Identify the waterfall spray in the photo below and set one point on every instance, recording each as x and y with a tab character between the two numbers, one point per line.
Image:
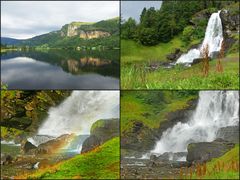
215	109
79	111
213	38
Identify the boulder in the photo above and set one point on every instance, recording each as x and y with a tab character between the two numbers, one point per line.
229	133
28	147
175	55
54	145
204	151
101	131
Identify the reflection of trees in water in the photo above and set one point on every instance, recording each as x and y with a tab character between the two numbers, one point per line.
76	62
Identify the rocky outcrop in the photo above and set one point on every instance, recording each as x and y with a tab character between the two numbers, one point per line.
73	29
181	115
139	137
175	55
54	145
28	147
230	20
204	151
229	133
93	34
101	131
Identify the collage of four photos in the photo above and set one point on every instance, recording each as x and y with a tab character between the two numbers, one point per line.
120	89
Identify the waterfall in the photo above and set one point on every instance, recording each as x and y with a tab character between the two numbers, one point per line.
215	109
79	111
213	38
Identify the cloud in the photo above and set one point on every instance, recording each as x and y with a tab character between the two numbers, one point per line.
134	8
25	19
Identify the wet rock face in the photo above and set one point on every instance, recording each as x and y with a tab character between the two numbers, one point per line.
229	133
139	138
230	21
101	131
205	151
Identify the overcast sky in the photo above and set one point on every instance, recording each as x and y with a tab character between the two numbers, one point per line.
134	8
25	19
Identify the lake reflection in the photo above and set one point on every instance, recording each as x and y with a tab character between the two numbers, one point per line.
58	69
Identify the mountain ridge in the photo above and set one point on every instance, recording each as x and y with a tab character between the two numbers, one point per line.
74	34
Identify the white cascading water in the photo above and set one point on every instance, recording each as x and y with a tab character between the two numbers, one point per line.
213	38
215	109
79	111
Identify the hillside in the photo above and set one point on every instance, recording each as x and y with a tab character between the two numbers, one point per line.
77	34
144	115
100	163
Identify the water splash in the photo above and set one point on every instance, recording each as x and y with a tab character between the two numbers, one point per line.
79	111
213	38
215	109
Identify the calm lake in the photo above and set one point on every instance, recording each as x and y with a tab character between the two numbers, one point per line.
60	69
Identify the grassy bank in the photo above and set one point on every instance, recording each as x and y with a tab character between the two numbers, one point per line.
137	76
132	52
101	163
151	107
224	167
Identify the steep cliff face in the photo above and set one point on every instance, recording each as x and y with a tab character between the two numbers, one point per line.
72	30
93	34
81	30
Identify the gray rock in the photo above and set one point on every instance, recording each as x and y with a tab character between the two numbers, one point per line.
229	133
27	147
175	55
101	131
205	151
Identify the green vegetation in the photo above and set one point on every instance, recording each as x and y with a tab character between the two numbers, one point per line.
97	124
23	111
173	17
132	52
101	163
59	39
151	107
138	76
178	25
224	167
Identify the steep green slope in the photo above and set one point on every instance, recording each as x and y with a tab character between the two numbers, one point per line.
68	36
101	163
152	107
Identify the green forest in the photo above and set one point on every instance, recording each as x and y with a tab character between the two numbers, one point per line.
177	27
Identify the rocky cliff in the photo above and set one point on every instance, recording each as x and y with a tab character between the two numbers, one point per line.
86	30
101	131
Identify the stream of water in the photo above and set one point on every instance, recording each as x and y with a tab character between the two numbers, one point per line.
215	109
213	38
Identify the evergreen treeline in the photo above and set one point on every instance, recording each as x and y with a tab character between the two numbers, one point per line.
162	25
